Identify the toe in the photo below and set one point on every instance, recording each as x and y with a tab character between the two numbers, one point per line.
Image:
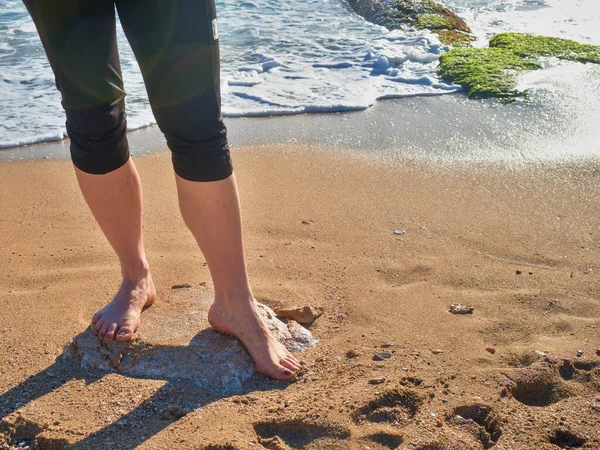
96	318
124	334
103	330
98	326
293	359
288	365
294	363
110	334
279	372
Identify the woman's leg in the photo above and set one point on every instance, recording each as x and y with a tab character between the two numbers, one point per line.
212	213
79	38
176	45
115	199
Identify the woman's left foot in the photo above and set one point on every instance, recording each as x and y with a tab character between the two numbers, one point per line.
241	319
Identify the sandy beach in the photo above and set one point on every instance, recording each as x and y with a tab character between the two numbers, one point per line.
384	246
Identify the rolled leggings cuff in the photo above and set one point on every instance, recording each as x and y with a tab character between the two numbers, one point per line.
203	162
98	139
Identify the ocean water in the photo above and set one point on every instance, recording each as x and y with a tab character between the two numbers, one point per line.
298	56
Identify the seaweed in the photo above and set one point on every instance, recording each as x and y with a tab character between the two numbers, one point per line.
532	46
485	72
493	71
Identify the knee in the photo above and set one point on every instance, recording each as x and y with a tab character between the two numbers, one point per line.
198	143
98	137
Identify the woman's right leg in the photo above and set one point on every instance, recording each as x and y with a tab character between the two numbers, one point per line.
79	37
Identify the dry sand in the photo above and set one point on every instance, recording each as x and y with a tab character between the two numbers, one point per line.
521	246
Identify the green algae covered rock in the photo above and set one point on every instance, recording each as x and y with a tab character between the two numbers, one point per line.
493	71
420	14
484	72
430	15
532	46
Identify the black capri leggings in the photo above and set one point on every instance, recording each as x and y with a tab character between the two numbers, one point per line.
176	45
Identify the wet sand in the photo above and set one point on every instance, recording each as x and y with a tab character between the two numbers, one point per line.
519	244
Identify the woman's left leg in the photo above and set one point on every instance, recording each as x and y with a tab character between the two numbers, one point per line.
176	45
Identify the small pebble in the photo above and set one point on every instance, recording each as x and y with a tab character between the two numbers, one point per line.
491	350
181	286
459	420
598	351
437	351
381	356
541	353
389	344
399	231
173	412
518	272
579	353
459	308
378	380
352	353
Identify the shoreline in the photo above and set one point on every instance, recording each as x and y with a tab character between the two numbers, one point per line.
555	125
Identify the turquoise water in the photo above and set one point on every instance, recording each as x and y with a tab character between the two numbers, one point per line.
281	58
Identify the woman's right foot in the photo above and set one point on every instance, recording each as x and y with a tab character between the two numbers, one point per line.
120	319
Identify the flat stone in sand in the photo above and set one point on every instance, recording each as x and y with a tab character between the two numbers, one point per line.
177	343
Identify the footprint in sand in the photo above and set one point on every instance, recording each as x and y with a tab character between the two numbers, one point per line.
387	440
296	434
479	420
566	439
394	406
550	381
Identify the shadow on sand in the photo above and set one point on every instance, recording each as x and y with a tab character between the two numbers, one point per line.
178	397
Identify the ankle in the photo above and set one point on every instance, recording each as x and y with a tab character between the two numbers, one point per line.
234	297
135	272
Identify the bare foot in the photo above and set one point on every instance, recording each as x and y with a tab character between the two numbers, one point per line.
121	317
241	319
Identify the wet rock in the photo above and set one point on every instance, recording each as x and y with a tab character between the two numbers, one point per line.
301	314
177	341
377	380
381	356
460	308
421	14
